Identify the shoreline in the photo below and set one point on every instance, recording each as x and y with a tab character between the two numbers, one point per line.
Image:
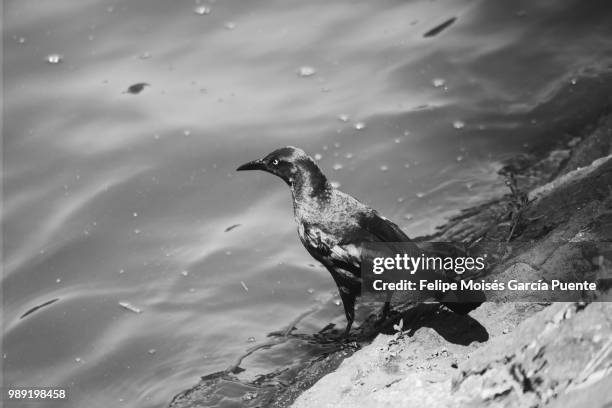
556	195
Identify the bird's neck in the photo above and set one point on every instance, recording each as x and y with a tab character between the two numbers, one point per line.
310	186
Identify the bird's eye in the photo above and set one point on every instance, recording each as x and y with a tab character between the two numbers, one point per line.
275	162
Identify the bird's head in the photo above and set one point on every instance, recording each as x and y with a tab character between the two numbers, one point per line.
292	165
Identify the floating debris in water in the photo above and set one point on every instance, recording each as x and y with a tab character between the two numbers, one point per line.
458	124
130	307
384	168
231	227
35	308
438	82
185	273
337	166
54	58
230	25
136	88
152	351
251	339
202	10
306	71
343	117
318	156
244	286
335	184
359	125
439	28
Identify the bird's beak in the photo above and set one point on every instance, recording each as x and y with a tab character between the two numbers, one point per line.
252	165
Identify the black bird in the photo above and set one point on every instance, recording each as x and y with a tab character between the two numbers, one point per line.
332	225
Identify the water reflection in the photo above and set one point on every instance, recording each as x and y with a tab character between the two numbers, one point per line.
391	110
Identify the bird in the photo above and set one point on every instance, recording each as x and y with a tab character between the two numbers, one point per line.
333	226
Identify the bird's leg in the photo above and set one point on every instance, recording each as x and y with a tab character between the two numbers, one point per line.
348	301
386	309
348	328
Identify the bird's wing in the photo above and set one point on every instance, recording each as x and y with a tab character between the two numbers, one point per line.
381	228
373	228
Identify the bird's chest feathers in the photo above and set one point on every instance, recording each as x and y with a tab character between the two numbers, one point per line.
328	247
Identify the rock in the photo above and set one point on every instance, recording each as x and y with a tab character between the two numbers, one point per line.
503	354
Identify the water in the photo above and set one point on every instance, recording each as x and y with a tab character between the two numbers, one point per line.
110	197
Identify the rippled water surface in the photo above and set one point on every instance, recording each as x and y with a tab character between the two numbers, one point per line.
112	197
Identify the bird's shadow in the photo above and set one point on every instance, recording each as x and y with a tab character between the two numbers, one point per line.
454	328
